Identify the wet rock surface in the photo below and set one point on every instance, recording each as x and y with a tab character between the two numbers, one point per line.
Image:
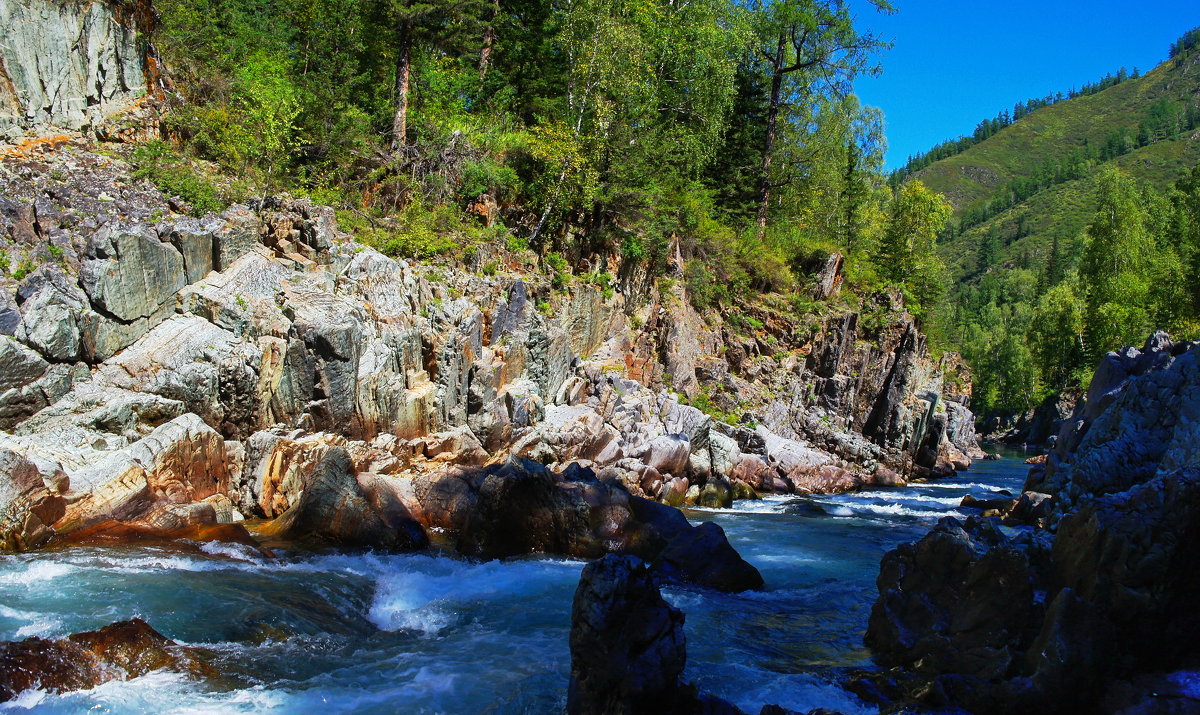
628	649
123	650
1082	586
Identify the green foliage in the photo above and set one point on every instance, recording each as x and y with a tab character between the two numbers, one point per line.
24	268
1030	251
1056	335
906	254
418	232
1186	45
4	261
486	176
704	402
560	276
1115	269
174	175
602	280
256	128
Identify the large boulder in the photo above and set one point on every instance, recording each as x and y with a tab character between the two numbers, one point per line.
130	273
522	507
627	644
1096	585
181	462
628	649
959	600
121	651
51	305
330	504
29	502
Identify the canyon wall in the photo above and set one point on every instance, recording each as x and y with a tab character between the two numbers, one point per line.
154	362
69	64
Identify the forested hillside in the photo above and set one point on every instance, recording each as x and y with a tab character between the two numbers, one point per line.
569	132
1074	230
593	140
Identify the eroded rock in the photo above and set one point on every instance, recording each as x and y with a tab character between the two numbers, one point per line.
628	649
123	650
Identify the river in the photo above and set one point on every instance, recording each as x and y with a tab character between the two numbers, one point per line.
429	633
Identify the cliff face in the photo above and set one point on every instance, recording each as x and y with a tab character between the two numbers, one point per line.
165	369
68	64
174	371
1080	597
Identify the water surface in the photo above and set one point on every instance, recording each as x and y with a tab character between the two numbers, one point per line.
424	633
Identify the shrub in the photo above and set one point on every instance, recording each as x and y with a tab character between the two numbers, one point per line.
560	278
174	176
24	268
480	177
256	127
602	280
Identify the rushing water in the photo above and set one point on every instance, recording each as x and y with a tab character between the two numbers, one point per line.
421	633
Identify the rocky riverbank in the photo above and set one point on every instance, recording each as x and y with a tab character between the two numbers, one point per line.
1079	598
259	364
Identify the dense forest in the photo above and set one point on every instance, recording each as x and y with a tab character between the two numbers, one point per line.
1085	238
577	130
573	131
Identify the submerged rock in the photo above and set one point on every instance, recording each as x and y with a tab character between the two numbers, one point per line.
116	533
123	650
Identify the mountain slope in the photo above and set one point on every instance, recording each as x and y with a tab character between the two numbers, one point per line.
1028	229
1023	199
1018	151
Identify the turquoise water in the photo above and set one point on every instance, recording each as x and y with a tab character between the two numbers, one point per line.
431	633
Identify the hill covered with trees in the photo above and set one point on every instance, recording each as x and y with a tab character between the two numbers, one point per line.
598	138
580	131
1073	231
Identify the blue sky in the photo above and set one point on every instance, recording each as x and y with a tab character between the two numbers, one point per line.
957	62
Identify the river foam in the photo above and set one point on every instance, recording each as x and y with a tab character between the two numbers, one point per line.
362	632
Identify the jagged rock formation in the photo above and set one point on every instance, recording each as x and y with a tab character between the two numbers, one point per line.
173	371
628	649
123	650
1089	587
1039	426
70	64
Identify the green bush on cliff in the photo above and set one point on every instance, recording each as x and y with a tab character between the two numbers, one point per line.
173	175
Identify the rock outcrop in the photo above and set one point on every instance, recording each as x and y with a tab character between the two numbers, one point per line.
628	648
172	373
82	661
1037	427
1086	584
69	64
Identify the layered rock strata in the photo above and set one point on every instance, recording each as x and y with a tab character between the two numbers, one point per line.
71	64
172	372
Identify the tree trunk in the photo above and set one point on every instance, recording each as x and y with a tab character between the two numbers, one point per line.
764	190
489	40
403	77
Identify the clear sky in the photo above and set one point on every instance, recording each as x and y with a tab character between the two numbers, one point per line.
956	62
